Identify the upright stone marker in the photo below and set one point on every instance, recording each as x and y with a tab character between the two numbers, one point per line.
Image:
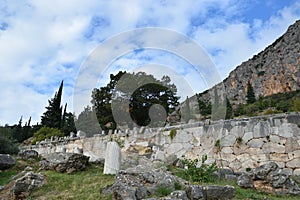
112	158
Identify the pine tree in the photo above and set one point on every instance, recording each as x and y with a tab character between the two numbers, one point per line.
250	93
53	116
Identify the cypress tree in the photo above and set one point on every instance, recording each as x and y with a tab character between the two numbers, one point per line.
250	93
53	116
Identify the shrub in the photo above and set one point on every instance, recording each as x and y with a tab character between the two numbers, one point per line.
7	146
173	133
46	133
203	173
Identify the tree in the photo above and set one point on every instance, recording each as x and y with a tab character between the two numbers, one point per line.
87	122
250	93
140	91
53	116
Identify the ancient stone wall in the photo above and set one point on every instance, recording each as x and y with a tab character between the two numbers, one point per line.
238	143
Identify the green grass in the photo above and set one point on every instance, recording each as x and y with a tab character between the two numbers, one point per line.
87	184
5	176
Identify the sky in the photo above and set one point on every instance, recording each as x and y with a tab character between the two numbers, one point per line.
45	42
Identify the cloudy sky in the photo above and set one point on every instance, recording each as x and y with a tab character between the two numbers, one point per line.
45	41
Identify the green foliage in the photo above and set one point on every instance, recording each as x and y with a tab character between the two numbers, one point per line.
46	133
218	145
119	92
55	117
239	140
203	173
87	122
7	146
162	190
173	133
277	103
250	93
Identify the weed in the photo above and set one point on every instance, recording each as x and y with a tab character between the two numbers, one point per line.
173	133
218	146
162	191
203	173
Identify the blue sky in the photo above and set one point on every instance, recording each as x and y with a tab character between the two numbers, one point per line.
44	42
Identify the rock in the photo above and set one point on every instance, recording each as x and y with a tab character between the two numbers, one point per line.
64	162
219	192
269	178
179	194
26	184
6	161
262	171
28	154
112	158
195	192
245	181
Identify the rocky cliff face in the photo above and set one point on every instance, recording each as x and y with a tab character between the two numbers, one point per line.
274	70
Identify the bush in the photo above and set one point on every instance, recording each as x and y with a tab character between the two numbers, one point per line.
198	174
46	133
7	146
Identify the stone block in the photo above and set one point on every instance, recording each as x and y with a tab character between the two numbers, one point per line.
228	157
286	130
237	131
228	141
279	157
227	150
182	137
295	163
273	148
291	145
294	154
255	143
173	148
247	136
261	129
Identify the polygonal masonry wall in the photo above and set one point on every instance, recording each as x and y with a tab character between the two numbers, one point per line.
237	143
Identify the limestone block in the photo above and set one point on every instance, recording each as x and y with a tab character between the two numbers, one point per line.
296	172
243	157
291	145
237	131
261	129
182	137
228	157
279	157
249	164
254	151
295	163
240	148
228	141
259	157
112	158
173	148
247	136
143	144
227	150
255	143
235	165
273	148
207	142
286	130
294	154
275	130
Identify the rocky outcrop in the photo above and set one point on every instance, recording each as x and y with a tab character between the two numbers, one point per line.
274	70
64	162
6	161
141	182
26	184
28	154
269	178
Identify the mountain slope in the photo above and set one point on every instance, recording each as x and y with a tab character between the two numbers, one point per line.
274	70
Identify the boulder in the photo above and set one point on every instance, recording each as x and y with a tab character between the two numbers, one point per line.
26	184
269	178
6	161
64	162
143	182
28	154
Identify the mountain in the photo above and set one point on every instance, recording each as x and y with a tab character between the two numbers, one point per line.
274	70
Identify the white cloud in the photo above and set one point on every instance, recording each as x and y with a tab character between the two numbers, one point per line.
44	42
